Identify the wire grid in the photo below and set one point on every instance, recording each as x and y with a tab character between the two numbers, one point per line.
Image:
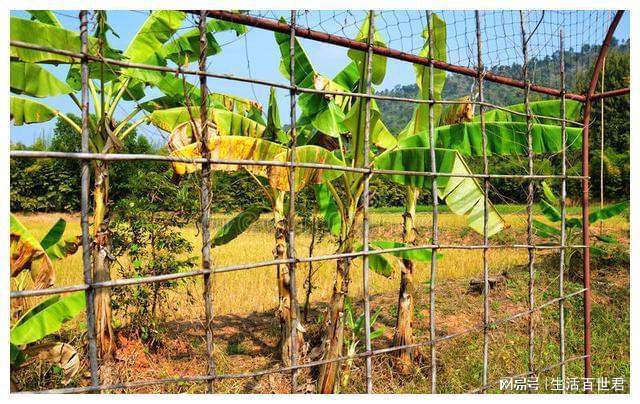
90	286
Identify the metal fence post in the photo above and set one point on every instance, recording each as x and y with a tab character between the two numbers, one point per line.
530	191
205	198
84	205
365	207
291	218
485	235
434	227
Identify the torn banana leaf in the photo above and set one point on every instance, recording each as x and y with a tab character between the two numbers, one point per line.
463	195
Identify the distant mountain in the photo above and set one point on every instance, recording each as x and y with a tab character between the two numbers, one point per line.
543	71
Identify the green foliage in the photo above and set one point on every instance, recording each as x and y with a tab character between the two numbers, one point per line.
52	185
551	233
147	242
46	318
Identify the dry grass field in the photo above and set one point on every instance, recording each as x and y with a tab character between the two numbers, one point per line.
246	328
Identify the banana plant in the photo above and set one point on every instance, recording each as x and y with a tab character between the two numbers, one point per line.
40	321
342	119
155	43
355	335
233	137
551	233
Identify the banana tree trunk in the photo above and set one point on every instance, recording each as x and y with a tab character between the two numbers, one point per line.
284	291
101	261
333	339
404	320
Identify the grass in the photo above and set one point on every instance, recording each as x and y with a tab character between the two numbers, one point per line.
246	331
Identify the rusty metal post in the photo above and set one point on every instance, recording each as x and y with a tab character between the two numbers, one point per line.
434	227
365	207
485	235
291	219
205	201
84	205
586	257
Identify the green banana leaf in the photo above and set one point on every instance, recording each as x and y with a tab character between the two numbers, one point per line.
420	120
328	208
423	255
26	111
147	44
58	247
45	17
379	67
51	36
320	111
379	263
505	138
238	225
463	195
274	130
48	319
549	108
608	212
33	80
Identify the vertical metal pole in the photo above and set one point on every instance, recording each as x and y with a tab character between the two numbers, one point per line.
586	254
434	196
205	200
563	209
586	241
530	194
84	204
485	239
365	209
291	248
604	63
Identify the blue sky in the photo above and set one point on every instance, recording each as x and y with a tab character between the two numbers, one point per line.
255	54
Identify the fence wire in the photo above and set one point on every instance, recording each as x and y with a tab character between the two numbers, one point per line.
485	43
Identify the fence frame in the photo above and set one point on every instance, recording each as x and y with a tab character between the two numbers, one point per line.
292	259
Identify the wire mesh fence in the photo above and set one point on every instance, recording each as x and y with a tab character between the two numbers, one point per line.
480	46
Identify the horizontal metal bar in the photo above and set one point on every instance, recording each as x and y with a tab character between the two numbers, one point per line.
611	93
375	352
277	26
254	265
222	76
269	163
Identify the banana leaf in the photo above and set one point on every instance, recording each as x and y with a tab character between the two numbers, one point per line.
238	225
463	195
420	120
379	263
227	123
33	80
608	212
26	252
328	208
48	320
379	67
423	255
45	17
505	138
26	111
230	148
549	108
279	176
